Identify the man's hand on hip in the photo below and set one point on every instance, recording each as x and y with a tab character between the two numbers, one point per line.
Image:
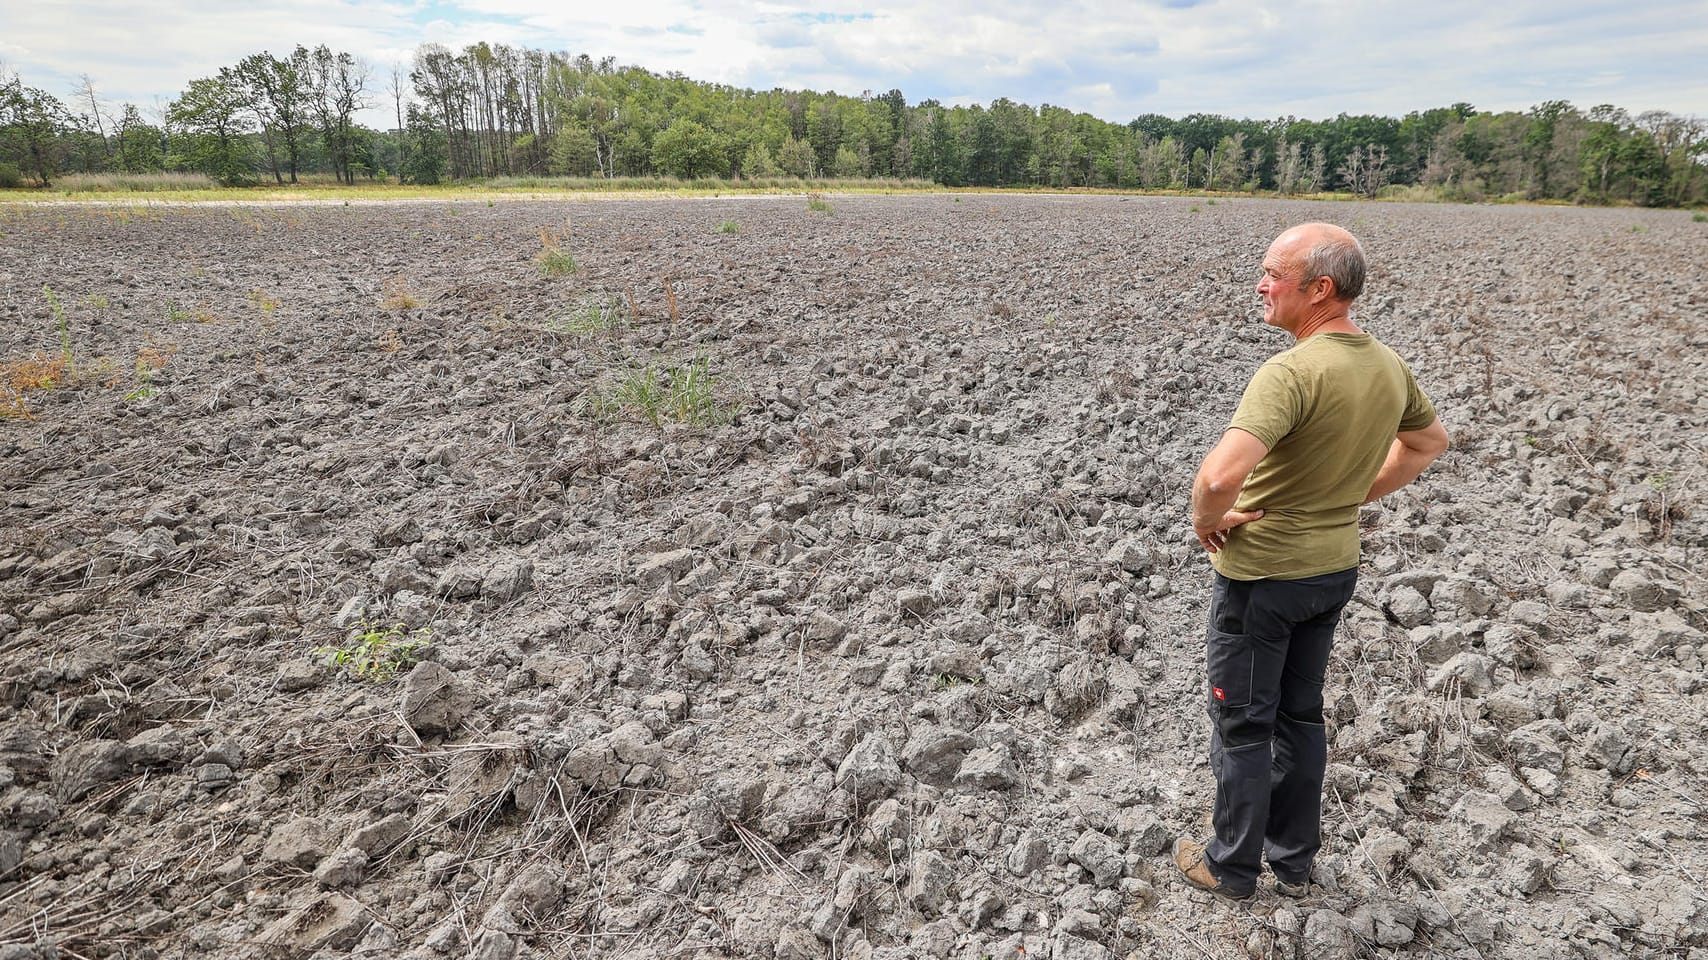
1214	536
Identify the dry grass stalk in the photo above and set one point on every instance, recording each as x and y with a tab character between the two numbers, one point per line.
634	307
398	295
18	378
670	298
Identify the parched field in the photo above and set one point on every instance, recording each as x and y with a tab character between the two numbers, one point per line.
796	583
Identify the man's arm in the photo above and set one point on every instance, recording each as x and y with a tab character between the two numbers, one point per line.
1218	484
1411	452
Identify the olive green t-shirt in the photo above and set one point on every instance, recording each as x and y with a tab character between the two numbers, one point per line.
1328	409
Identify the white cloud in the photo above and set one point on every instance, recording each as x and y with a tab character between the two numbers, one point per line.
1255	58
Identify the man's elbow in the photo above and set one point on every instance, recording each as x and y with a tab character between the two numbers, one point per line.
1441	440
1220	485
1431	442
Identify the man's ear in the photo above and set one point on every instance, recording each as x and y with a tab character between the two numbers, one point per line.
1322	289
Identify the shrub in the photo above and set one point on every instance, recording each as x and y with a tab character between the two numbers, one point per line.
730	226
10	176
816	203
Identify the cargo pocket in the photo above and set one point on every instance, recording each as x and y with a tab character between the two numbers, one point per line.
1228	661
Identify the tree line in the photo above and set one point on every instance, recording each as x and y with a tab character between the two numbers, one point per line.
500	111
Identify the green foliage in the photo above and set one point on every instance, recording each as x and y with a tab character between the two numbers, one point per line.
424	146
683	393
488	111
209	121
687	149
730	226
10	177
376	654
574	152
817	204
796	159
32	126
138	149
1699	217
848	163
757	162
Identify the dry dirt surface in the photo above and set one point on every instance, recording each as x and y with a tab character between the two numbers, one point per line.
885	641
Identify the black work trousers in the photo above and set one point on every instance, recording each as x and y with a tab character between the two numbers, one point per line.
1266	653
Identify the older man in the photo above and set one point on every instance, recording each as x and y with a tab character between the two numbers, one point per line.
1334	422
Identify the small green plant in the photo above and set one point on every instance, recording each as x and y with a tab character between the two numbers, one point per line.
1194	208
1639	228
1699	217
553	259
374	653
1209	203
684	393
816	203
59	321
144	386
177	314
587	319
260	299
149	360
729	226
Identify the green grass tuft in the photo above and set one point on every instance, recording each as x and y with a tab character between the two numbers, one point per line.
586	320
684	393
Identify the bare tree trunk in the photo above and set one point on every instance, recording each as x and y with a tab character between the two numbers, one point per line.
86	90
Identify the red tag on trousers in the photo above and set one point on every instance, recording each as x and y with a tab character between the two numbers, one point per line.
1220	694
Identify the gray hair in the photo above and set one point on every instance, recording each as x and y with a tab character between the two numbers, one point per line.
1339	260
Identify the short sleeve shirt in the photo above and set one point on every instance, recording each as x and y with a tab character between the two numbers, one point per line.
1328	410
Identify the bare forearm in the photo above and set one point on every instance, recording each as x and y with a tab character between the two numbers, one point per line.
1209	503
1402	466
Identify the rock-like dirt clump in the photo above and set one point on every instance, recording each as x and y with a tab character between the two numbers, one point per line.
353	603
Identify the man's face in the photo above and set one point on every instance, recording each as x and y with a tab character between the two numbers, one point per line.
1284	304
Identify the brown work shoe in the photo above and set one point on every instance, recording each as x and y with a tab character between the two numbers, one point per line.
1189	857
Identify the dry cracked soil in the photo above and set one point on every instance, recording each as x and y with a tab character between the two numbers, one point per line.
884	641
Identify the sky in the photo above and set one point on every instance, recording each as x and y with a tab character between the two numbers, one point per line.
1261	59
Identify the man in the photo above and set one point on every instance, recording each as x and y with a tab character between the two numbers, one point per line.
1332	423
